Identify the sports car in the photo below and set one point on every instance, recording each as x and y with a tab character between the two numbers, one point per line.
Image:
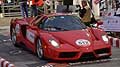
59	36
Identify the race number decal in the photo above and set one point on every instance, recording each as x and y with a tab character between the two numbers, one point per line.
17	28
30	36
82	42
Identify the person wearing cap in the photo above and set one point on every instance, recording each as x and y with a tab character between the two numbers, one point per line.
85	13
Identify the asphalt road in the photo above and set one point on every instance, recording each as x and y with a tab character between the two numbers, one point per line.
23	58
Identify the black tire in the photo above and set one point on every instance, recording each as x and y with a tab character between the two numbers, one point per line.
13	37
39	49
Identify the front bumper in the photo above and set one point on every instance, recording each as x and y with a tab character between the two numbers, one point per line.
79	54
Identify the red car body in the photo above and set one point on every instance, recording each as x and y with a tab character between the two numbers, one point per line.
63	44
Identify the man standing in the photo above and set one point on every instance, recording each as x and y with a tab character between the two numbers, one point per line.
33	7
23	8
85	13
1	2
0	6
40	4
34	4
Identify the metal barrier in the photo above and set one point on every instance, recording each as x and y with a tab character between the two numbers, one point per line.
10	10
115	42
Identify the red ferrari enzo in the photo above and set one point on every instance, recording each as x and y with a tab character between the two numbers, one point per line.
60	37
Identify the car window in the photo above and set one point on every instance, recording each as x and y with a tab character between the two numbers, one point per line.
41	21
34	21
63	23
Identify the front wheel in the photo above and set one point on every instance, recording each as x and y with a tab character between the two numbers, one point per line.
39	49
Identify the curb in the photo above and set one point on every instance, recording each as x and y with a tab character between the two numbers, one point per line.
4	63
115	42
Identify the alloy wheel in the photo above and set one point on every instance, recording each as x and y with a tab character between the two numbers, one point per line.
39	49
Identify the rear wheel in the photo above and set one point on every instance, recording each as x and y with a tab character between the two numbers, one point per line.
39	49
13	37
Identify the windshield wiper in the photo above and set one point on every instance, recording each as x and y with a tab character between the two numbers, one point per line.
62	29
55	29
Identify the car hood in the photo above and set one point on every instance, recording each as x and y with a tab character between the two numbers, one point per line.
71	37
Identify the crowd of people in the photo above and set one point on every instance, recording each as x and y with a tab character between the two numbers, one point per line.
84	13
33	7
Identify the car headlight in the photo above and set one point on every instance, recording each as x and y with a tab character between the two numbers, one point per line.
54	43
104	37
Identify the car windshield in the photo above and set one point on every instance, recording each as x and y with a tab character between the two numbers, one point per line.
63	23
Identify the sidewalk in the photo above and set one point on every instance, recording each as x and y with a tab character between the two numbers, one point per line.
5	21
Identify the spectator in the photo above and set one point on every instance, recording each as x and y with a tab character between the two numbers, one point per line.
0	6
1	1
23	8
33	7
40	4
85	13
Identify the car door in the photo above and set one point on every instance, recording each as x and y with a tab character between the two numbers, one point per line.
32	33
